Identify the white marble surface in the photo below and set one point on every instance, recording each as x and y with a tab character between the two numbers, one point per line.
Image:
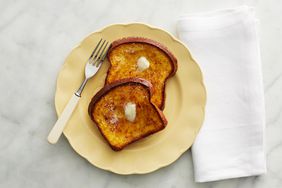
36	36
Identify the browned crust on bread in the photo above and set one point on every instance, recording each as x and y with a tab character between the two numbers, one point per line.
151	42
118	83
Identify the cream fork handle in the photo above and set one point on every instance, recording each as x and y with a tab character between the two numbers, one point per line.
59	126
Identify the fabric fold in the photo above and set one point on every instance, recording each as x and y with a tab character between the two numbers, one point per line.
225	45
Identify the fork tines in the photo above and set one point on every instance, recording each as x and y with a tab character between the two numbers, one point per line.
99	53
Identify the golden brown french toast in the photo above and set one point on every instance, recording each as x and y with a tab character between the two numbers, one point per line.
124	113
136	57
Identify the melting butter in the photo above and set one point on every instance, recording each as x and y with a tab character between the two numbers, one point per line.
142	63
130	111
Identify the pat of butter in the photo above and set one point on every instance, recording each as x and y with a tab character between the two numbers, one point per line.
142	63
130	111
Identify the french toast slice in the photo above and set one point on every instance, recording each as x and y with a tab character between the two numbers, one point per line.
136	57
108	109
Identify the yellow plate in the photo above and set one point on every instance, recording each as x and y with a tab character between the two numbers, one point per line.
185	102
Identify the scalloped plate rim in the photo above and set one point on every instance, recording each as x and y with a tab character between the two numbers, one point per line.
180	150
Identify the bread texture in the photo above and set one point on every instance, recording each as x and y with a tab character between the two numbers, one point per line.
123	57
106	109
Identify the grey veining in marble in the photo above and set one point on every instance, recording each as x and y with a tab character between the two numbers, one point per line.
36	36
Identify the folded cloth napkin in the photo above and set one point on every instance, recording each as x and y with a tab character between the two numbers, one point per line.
231	141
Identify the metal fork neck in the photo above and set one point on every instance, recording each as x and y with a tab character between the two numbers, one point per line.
80	89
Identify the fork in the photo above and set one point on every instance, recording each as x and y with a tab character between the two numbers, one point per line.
93	64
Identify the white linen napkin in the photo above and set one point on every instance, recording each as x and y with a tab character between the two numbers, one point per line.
225	45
